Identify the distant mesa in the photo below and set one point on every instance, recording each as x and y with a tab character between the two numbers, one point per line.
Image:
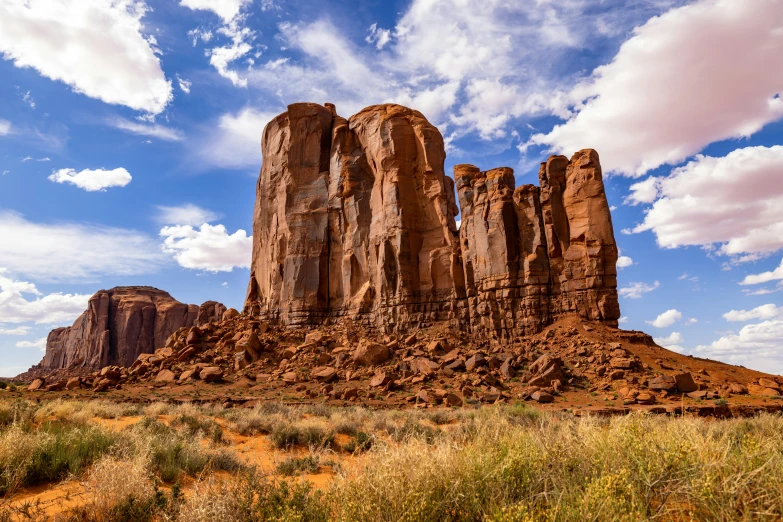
119	325
356	218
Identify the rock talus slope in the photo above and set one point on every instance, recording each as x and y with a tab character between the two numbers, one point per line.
119	325
356	217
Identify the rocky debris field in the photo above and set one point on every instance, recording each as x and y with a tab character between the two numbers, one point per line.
572	364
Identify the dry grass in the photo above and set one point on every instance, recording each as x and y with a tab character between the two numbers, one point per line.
493	464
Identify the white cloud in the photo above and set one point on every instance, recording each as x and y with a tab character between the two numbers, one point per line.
671	342
187	214
184	85
44	159
208	248
440	60
666	319
95	46
379	37
28	99
623	261
225	9
691	321
755	345
143	129
72	252
657	103
51	309
222	57
5	127
734	203
764	277
197	34
767	311
92	180
636	290
38	343
18	330
26	159
622	320
237	140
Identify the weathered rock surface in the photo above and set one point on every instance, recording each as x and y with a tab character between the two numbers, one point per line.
119	325
534	254
356	218
210	311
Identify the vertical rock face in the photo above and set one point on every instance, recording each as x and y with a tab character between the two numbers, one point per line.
532	254
356	218
119	325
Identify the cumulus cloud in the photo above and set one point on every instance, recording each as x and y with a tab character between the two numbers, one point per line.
92	180
38	343
636	290
73	252
237	141
94	46
623	320
148	129
767	311
656	102
764	277
666	319
22	302
208	247
623	261
439	59
186	214
5	127
756	345
225	9
733	203
671	342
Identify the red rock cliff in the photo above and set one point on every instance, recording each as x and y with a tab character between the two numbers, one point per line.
118	325
356	218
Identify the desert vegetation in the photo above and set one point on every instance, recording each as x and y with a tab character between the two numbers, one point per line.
500	463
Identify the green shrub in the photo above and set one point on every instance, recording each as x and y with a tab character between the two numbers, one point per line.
295	465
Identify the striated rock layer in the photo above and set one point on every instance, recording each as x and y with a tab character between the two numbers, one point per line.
119	325
356	218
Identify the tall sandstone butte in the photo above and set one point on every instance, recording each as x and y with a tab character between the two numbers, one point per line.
356	218
119	325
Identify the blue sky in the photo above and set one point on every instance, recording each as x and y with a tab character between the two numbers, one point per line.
129	140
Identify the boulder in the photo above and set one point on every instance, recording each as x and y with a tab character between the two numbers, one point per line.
229	314
542	396
685	383
211	374
324	374
165	376
368	354
36	385
663	382
208	312
73	383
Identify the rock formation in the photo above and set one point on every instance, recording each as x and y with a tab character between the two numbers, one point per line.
534	254
119	324
356	218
